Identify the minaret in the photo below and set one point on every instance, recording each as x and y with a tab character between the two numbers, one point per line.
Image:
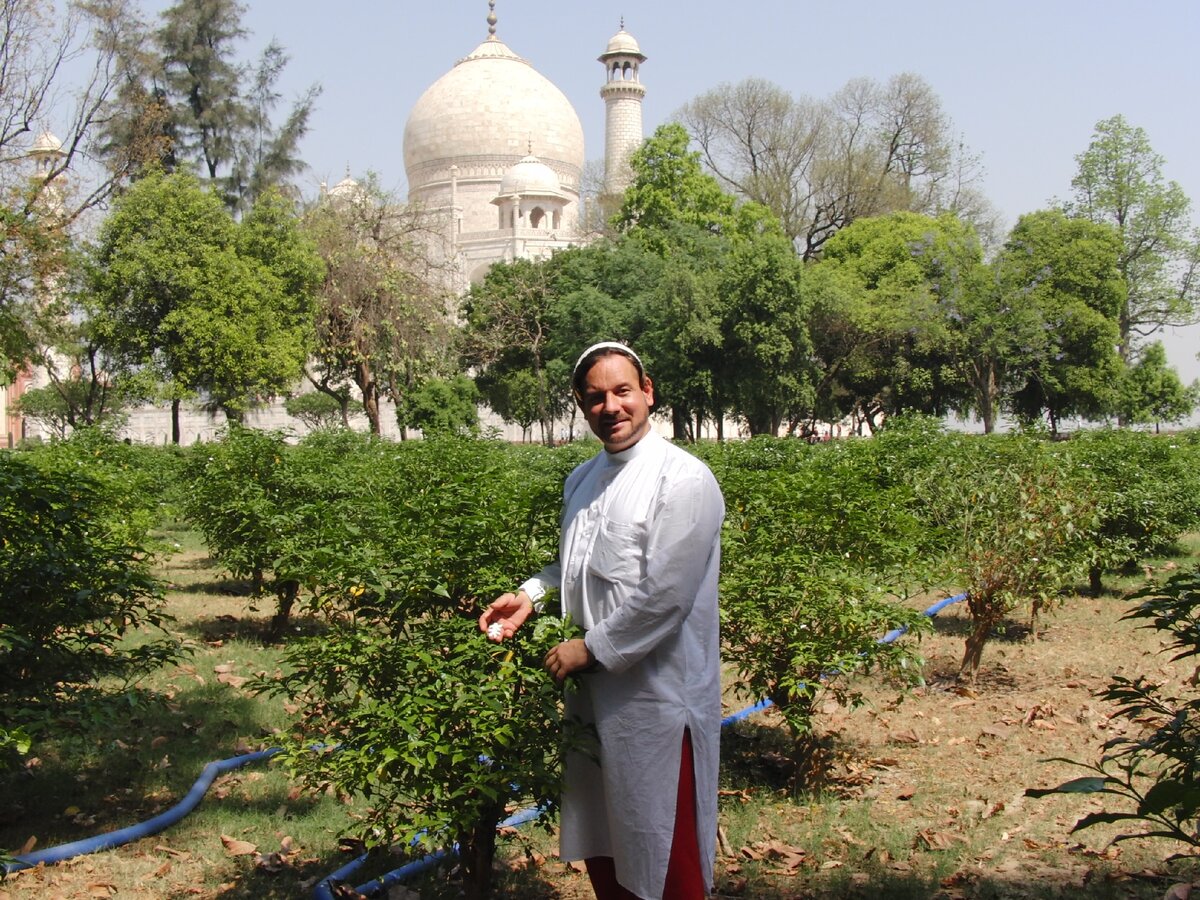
48	155
622	93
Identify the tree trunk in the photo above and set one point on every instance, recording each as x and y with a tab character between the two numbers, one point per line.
477	854
973	652
175	421
1095	584
287	592
678	425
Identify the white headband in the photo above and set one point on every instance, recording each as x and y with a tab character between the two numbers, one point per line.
606	345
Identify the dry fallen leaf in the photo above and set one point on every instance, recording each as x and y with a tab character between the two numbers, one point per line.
939	840
235	847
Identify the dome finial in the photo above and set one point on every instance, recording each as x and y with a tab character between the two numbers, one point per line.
622	23
491	20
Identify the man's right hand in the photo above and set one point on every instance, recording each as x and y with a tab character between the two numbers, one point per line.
510	611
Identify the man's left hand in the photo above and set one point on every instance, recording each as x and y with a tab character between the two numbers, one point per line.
568	657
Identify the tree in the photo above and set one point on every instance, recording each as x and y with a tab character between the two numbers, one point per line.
869	150
877	326
765	364
1120	182
188	100
317	410
762	144
1067	270
670	194
721	332
441	406
382	313
43	192
205	304
508	325
1152	391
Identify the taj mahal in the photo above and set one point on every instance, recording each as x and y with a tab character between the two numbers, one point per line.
495	152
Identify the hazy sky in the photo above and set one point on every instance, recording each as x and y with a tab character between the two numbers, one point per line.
1024	82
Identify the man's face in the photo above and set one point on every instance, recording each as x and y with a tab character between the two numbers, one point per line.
615	404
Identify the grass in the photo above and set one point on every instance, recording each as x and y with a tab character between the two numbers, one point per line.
924	796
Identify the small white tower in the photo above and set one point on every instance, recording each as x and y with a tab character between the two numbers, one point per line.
623	93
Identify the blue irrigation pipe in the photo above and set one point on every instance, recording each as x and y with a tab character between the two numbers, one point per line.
143	829
324	889
886	639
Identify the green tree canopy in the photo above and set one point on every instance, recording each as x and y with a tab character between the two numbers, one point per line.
1152	391
184	290
382	312
1068	270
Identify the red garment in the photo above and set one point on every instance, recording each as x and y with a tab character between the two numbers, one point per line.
684	878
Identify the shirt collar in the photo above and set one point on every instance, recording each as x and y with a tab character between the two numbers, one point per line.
644	445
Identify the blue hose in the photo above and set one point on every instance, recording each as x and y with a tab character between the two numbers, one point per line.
143	829
886	639
324	890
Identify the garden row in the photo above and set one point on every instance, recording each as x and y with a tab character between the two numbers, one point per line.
394	547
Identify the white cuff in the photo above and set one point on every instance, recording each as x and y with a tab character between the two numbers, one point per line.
536	591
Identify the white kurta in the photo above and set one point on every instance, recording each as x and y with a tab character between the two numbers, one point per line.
638	561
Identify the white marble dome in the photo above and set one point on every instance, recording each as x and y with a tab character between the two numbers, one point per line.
623	42
483	116
530	176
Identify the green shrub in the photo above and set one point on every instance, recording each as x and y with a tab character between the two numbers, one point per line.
1017	524
817	544
1147	490
73	585
438	727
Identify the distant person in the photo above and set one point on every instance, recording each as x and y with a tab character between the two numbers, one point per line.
637	570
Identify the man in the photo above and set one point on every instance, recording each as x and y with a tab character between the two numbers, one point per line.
637	570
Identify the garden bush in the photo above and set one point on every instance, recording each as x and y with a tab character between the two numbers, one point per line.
74	583
817	548
1147	490
441	729
1017	524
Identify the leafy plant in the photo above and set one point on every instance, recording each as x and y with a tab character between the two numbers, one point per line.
73	585
441	729
812	551
1158	768
1147	491
1019	524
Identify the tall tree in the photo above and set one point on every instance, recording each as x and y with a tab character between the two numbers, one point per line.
766	359
1120	181
509	323
1067	269
382	314
868	150
671	193
878	323
219	109
762	144
209	306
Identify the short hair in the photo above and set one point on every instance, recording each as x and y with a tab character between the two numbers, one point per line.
588	358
